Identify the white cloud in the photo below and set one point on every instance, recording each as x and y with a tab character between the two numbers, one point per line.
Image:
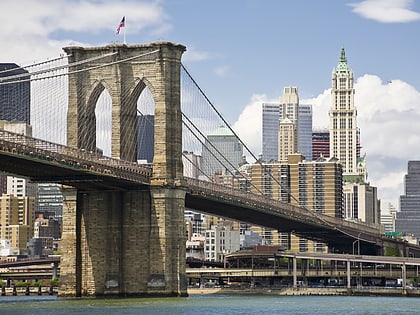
249	124
387	114
194	55
222	71
30	33
386	11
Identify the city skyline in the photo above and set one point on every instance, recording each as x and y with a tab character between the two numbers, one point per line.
243	53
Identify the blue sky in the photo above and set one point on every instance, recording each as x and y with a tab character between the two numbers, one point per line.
244	52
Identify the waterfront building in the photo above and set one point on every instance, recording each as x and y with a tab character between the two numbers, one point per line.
194	223
408	219
6	249
388	216
221	239
16	219
361	203
221	151
195	247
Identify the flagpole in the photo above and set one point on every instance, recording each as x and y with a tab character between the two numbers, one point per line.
125	26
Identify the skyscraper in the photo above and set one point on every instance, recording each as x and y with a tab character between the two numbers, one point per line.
221	151
408	219
304	127
320	144
343	127
287	139
270	130
287	108
15	98
145	138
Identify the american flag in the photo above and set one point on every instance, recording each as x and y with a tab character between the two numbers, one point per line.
122	24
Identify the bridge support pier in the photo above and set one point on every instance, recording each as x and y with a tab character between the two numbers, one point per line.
123	243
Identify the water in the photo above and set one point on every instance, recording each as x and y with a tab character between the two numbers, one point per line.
221	304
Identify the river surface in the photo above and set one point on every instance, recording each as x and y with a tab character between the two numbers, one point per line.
221	304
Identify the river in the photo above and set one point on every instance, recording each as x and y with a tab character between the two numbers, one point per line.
220	304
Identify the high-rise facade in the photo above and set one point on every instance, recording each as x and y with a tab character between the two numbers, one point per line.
270	131
316	186
50	200
408	219
16	219
287	139
145	138
221	151
301	117
343	126
320	144
15	98
304	127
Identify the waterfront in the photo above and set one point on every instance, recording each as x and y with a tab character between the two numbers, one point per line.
213	304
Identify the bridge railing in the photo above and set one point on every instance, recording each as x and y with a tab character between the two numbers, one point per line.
77	158
236	196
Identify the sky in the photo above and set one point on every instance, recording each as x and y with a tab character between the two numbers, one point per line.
244	52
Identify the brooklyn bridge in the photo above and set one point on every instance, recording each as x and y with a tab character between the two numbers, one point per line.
123	222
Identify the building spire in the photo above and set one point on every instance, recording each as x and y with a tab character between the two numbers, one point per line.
342	62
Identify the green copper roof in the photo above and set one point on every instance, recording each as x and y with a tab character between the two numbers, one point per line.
342	62
221	131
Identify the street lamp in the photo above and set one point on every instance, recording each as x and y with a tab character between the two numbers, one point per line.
358	244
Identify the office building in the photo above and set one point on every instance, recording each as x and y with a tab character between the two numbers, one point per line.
221	239
49	200
287	139
304	126
16	220
361	203
315	185
343	126
15	98
320	144
145	138
408	219
270	131
299	114
221	152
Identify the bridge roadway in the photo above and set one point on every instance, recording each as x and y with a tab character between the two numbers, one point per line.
43	161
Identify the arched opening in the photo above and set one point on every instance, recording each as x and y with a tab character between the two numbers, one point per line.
103	114
145	127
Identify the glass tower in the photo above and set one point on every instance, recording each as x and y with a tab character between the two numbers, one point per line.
408	219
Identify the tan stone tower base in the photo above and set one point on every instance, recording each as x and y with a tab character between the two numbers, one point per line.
126	242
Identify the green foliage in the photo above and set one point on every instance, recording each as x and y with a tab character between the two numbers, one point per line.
22	284
393	252
54	282
39	283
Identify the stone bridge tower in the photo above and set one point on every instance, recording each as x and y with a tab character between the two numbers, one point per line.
125	242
